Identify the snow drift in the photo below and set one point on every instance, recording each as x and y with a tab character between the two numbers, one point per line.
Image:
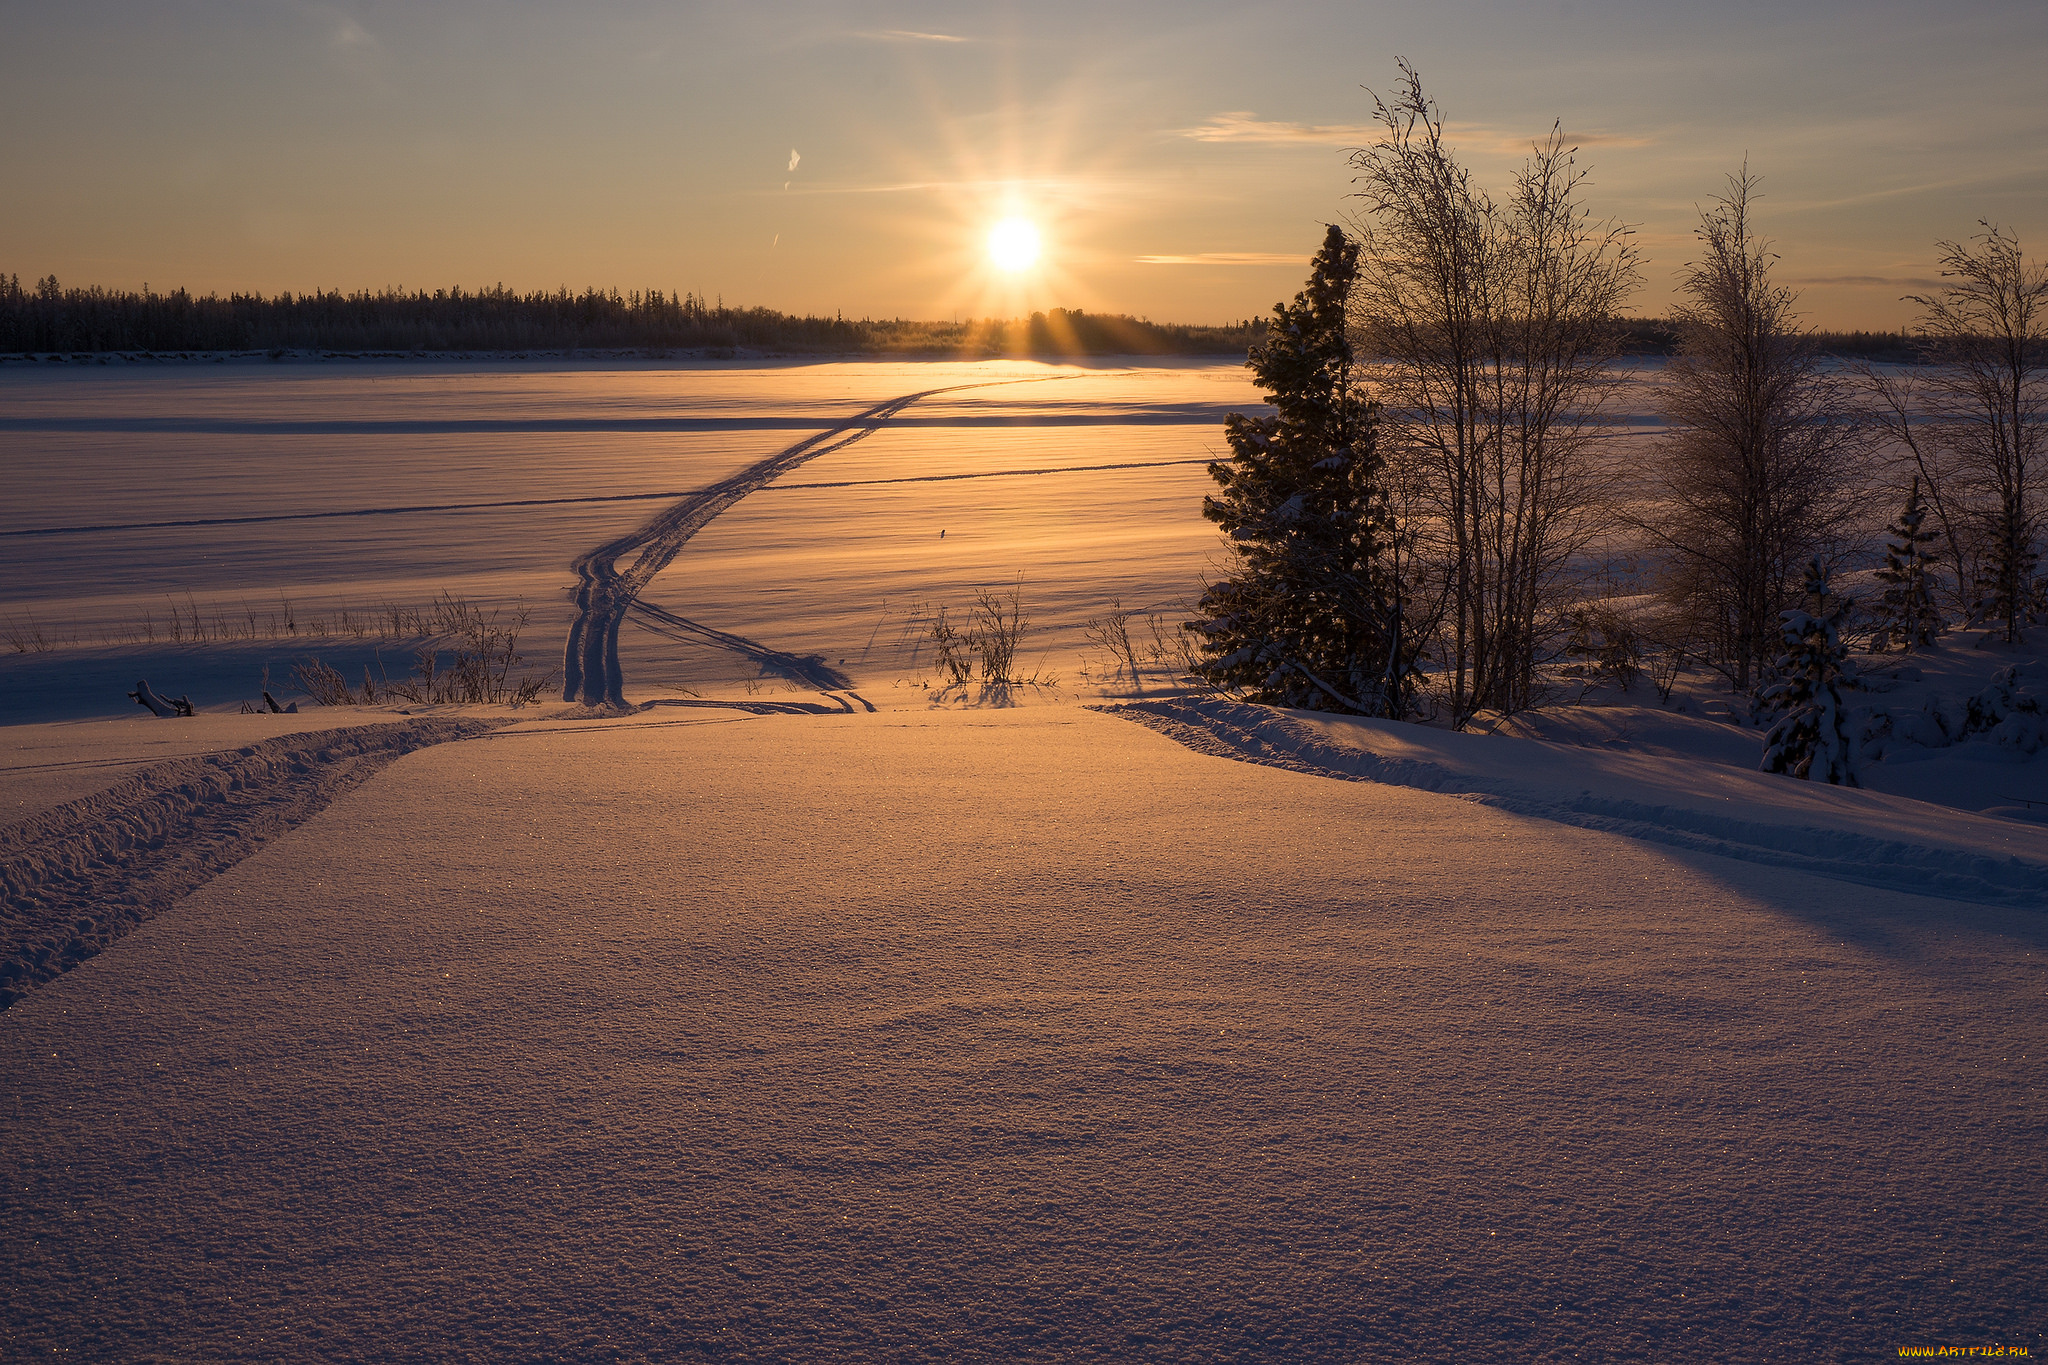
1857	836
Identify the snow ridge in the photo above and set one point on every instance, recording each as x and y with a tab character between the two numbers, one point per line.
1265	735
78	877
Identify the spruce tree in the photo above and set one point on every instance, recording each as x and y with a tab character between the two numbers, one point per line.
2007	589
1310	616
1906	613
1811	738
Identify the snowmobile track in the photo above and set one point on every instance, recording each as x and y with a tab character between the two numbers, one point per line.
605	595
77	877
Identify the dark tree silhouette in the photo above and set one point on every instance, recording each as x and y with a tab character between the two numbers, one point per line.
1311	615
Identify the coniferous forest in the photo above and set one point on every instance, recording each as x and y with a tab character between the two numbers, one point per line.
46	317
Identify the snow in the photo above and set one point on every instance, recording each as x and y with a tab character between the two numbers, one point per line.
1854	835
975	1026
830	1035
46	765
836	559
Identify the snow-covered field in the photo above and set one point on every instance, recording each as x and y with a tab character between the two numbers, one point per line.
1114	1024
242	486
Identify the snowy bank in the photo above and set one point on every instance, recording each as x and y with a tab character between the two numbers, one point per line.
1860	836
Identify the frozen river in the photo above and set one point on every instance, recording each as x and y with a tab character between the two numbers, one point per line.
358	484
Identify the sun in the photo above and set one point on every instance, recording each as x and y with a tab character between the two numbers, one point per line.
1013	244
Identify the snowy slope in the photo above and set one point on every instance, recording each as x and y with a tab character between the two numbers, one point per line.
763	1025
1025	1036
1666	797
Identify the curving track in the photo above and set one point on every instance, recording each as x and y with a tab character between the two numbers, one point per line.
606	594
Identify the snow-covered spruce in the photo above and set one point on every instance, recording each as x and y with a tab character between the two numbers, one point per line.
1906	614
1310	615
2009	713
1812	737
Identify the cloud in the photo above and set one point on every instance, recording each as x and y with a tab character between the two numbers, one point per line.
906	35
1479	136
1043	186
1874	281
1226	258
794	157
1242	125
349	36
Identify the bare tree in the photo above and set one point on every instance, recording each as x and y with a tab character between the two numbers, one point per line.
1987	395
1757	446
1901	413
1494	324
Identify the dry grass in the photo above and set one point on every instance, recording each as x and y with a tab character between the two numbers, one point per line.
183	620
986	649
482	655
1111	633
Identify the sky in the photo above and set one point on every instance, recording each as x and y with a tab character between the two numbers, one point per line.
1178	160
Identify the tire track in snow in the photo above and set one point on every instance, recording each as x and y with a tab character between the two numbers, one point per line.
590	657
79	876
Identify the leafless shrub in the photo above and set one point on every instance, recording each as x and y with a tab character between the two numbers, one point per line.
323	683
397	623
1606	636
952	650
27	636
1665	666
479	671
1173	648
998	627
1111	633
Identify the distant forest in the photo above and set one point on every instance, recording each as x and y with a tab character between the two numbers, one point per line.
49	319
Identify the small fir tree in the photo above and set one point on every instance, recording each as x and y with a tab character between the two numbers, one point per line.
1811	738
1906	613
1311	614
2007	590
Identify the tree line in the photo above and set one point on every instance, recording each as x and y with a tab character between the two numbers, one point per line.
1413	531
47	318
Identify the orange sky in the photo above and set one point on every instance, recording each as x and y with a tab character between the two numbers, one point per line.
1178	159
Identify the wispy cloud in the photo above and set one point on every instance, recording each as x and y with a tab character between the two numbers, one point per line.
1226	258
349	36
1873	281
1065	187
794	157
1481	137
907	35
1243	126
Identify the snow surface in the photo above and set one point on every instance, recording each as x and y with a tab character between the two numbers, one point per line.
1669	798
46	765
512	455
761	1023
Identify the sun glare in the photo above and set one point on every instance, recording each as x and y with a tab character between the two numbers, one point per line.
1013	244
